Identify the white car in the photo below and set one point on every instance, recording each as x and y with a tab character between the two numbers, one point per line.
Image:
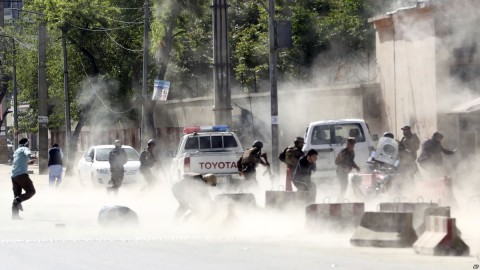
94	165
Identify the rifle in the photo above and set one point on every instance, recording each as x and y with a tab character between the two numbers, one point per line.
269	170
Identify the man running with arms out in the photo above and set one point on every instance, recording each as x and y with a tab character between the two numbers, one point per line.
20	179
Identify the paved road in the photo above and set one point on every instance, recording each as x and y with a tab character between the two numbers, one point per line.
60	231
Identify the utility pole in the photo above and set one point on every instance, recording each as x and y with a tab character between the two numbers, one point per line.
221	59
68	128
42	99
145	71
15	97
3	106
273	84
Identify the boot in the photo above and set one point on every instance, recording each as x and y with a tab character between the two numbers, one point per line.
15	213
17	203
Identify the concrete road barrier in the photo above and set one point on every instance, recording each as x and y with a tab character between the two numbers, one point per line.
384	229
284	199
246	199
339	215
418	210
434	211
441	238
117	215
439	191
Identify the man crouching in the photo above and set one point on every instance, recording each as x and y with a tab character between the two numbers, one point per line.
193	195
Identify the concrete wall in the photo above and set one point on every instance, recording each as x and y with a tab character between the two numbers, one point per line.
405	49
425	55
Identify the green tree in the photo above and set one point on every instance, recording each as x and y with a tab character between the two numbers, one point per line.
105	59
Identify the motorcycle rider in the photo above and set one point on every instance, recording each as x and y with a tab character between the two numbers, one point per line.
385	153
383	163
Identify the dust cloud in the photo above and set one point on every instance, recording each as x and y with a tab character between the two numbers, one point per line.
76	202
70	212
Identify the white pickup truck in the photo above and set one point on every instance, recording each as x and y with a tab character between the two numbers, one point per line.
207	150
328	137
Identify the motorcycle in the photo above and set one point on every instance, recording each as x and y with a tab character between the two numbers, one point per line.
381	170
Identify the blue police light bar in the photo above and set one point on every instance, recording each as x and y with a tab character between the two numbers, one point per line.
221	128
217	128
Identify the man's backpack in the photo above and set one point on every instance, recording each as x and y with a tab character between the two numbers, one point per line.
290	158
248	157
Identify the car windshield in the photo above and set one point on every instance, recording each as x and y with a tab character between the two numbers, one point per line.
102	154
334	134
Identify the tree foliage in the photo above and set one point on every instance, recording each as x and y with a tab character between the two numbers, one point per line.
105	42
104	45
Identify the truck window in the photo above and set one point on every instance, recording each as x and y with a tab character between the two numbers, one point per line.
321	135
210	142
229	141
205	142
343	131
191	143
217	142
90	153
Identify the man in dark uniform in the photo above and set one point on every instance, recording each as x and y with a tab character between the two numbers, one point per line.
117	158
290	157
431	156
248	162
302	175
408	147
345	162
147	161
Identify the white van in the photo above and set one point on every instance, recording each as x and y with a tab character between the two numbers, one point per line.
329	138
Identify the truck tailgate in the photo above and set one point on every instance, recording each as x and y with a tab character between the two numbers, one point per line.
215	162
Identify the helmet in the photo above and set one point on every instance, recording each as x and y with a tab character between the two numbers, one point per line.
299	140
257	144
388	135
152	141
117	142
437	136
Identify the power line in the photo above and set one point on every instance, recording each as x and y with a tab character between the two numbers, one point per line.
102	29
137	21
18	41
96	94
122	8
121	46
